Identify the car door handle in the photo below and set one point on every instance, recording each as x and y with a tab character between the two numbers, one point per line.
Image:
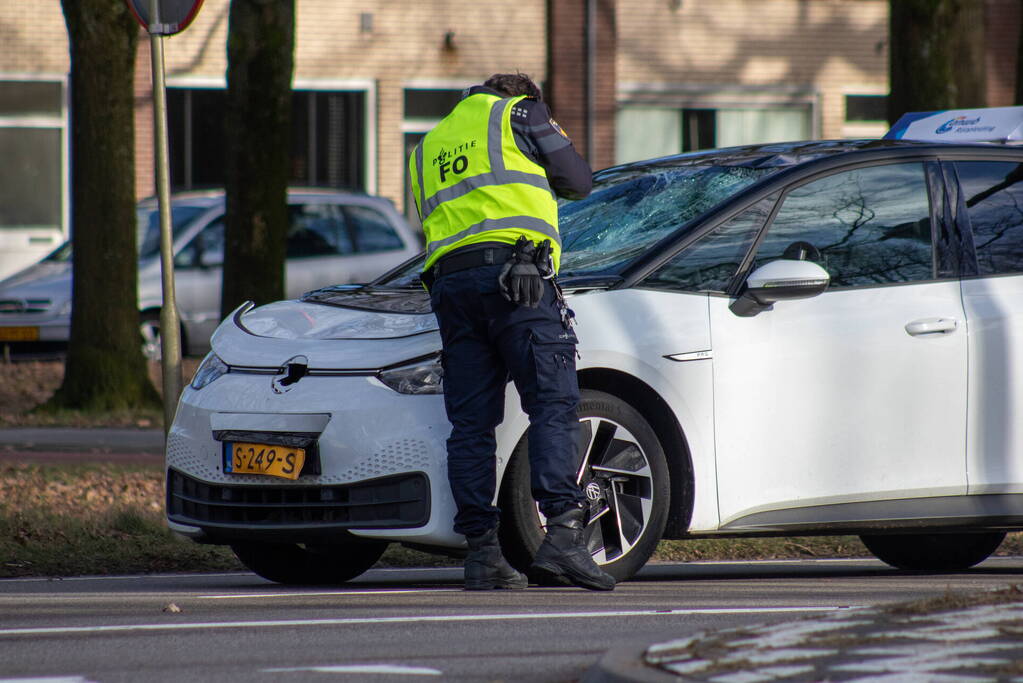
932	326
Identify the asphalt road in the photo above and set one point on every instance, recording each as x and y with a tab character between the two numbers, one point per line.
404	625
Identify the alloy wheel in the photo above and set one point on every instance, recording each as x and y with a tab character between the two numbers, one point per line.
617	479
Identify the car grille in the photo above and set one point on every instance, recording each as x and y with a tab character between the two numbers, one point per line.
19	306
397	501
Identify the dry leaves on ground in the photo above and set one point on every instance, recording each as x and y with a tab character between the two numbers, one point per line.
27	384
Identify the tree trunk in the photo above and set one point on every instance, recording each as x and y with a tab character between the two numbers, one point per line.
936	55
105	369
1018	100
260	55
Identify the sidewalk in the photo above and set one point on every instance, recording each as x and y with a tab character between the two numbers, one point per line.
54	444
917	642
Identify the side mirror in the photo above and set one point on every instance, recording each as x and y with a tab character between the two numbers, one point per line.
780	280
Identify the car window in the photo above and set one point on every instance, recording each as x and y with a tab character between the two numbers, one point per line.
317	230
628	212
871	225
205	249
371	230
149	226
709	264
993	192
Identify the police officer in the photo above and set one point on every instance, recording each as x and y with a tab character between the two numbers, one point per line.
485	182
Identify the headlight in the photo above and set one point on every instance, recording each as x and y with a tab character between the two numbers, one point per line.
209	370
425	377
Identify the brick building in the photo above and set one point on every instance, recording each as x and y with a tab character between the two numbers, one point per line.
627	80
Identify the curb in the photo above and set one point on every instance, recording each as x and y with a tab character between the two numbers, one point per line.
77	457
102	441
627	664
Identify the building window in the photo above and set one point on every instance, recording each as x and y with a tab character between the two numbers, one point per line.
31	98
860	108
424	108
328	138
866	116
430	103
646	132
32	175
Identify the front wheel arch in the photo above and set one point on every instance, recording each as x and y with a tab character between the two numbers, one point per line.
661	418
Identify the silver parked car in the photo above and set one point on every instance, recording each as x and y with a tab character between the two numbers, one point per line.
334	237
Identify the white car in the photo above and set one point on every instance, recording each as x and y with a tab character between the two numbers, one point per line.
786	339
333	237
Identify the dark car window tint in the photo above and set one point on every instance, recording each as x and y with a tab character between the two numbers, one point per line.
371	230
872	225
993	192
317	230
710	263
206	248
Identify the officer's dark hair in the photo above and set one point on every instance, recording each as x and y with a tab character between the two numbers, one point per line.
513	85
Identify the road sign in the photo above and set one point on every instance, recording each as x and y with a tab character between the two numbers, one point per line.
171	16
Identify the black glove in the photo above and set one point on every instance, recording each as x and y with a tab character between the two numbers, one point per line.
543	261
520	279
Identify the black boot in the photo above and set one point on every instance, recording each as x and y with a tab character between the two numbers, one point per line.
563	553
485	566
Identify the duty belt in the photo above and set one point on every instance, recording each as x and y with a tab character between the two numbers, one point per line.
463	259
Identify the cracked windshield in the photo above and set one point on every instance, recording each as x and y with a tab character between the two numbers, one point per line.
630	210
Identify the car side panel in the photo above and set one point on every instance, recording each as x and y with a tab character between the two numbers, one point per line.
831	400
994	445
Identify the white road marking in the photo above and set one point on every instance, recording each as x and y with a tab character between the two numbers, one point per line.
360	669
119	577
240	596
68	630
48	679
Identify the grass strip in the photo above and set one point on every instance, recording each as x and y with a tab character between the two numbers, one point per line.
93	519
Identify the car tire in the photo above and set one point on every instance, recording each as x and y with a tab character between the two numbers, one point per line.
628	517
297	565
935	552
152	344
149	329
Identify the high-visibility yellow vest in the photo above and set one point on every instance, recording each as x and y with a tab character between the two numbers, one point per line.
473	184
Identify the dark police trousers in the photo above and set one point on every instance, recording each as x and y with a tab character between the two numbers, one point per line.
486	340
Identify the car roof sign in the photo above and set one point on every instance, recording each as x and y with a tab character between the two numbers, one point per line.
993	124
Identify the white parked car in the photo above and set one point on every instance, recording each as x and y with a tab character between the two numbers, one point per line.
786	339
334	237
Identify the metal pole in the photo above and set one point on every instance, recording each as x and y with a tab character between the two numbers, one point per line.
170	331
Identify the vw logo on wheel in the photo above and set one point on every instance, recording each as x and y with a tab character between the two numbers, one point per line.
592	491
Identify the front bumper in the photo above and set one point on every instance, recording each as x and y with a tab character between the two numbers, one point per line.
382	465
297	513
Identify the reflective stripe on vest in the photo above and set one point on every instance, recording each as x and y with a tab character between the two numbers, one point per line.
498	177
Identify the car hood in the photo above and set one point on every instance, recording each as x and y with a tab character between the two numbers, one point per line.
329	336
52	278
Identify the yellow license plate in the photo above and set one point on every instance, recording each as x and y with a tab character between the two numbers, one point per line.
260	458
19	334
